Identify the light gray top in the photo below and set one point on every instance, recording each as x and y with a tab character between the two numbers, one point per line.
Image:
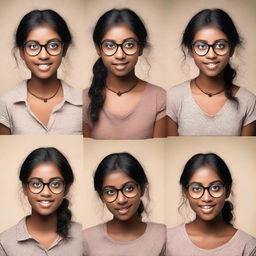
98	243
191	120
16	241
66	117
137	124
179	244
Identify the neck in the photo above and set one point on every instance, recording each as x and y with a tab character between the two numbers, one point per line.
209	84
42	223
213	226
121	83
127	225
44	86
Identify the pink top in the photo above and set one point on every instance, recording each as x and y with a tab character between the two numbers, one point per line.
137	124
179	244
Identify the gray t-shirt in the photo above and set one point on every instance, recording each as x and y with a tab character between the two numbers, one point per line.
191	120
179	244
66	117
16	241
98	243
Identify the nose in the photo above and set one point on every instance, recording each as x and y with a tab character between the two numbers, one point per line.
211	54
121	199
206	196
43	54
46	191
119	53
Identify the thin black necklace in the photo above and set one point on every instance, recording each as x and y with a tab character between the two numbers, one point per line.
43	98
119	93
209	94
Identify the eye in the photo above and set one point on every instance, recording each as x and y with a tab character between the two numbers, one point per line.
36	184
109	45
56	184
33	45
201	46
129	45
220	45
216	188
129	188
110	192
53	45
196	189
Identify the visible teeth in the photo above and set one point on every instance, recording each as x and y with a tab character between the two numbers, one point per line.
43	65
45	202
206	206
211	64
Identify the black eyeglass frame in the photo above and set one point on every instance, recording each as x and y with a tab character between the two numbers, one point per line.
44	46
120	189
46	184
120	45
205	188
211	46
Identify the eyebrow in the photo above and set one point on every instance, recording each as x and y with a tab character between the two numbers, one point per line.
126	39
199	183
40	179
111	186
204	41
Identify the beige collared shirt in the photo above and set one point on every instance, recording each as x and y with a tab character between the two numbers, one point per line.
16	241
66	117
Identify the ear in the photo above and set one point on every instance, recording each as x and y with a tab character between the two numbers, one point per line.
66	191
228	193
97	49
141	50
142	190
21	51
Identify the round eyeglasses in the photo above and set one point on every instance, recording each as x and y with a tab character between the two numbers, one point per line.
129	190
196	190
52	47
37	186
110	47
220	47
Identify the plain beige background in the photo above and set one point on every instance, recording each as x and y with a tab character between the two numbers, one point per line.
165	21
162	159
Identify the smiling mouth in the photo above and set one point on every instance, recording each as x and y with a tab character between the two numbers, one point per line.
44	67
45	203
207	208
211	65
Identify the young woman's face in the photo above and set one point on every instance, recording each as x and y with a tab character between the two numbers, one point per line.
210	204
211	64
124	203
119	64
45	199
43	65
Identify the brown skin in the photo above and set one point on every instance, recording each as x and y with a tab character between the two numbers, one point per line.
208	230
129	226
122	79
42	223
210	80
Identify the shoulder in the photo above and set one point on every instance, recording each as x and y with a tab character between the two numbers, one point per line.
157	229
75	228
155	88
15	94
10	234
246	238
70	89
175	230
93	230
179	88
245	94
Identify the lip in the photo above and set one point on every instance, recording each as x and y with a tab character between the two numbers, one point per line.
123	210
45	203
120	66
211	65
43	66
207	208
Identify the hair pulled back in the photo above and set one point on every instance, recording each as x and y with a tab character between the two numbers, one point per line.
37	18
126	163
221	20
52	155
219	166
108	20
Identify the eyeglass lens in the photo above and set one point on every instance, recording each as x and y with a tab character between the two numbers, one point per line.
220	47
129	47
196	191
37	186
129	190
53	48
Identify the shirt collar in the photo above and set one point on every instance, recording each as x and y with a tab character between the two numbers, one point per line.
71	95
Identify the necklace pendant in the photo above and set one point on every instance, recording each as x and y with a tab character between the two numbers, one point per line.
45	100
210	95
119	93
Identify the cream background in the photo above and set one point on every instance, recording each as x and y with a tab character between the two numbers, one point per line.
162	159
164	19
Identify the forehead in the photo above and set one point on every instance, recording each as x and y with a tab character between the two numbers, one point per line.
45	171
119	33
42	34
117	179
210	35
204	175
